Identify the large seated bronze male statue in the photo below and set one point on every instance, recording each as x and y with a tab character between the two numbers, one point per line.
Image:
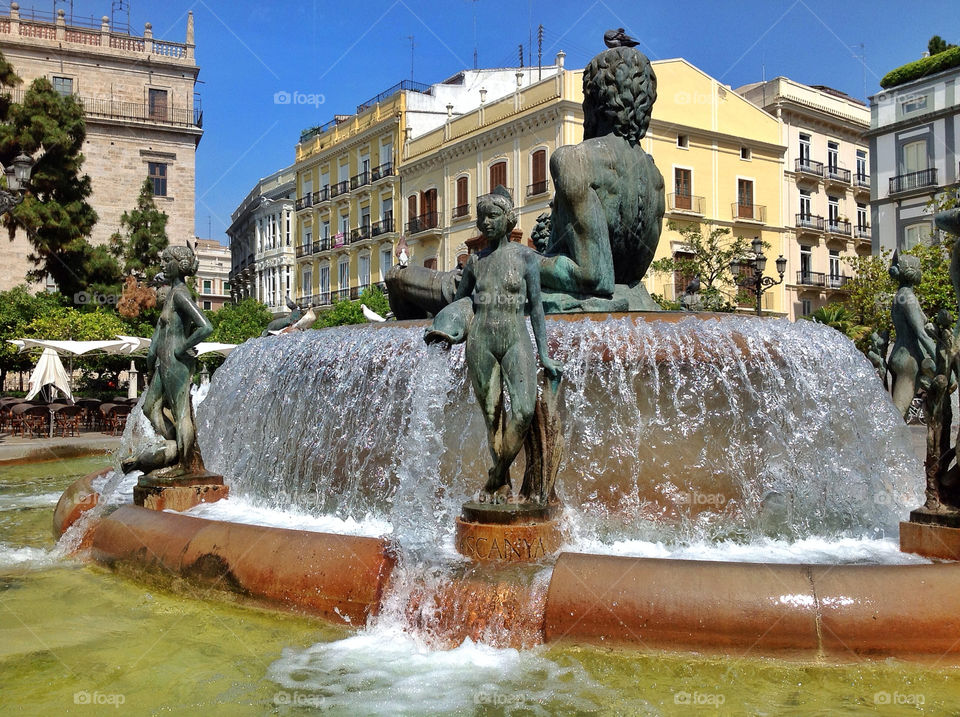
607	207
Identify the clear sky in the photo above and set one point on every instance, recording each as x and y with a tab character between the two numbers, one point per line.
339	53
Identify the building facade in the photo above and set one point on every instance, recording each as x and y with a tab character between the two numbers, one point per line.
143	118
348	189
826	191
262	251
720	156
213	275
914	135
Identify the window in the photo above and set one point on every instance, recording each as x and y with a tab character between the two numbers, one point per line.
364	163
306	281
745	198
343	172
833	156
498	175
462	207
806	262
834	263
287	214
682	181
324	276
363	270
207	286
804	204
538	172
914	103
157	105
63	86
861	215
343	274
325	181
913	157
386	209
745	153
804	148
386	261
431	263
681	280
386	153
861	163
157	174
806	307
208	306
412	207
833	210
916	234
428	205
325	228
344	223
226	287
683	141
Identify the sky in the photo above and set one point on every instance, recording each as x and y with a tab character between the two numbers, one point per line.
337	53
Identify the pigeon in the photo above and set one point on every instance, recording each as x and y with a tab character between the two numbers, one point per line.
305	322
402	256
290	304
693	287
618	38
370	314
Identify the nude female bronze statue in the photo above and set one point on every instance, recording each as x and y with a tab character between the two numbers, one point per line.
913	343
171	365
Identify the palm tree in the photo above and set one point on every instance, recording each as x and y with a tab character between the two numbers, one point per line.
841	319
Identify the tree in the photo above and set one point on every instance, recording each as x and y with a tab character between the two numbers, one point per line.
937	45
870	290
54	214
349	312
708	257
235	323
18	308
142	238
840	318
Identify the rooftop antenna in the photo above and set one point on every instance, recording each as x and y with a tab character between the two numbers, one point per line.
540	52
474	2
863	62
117	6
410	37
520	51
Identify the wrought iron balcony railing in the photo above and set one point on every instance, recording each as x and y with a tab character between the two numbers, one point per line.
537	188
748	212
680	202
913	180
358	180
339	188
805	165
835	173
810	221
461	211
838	226
382	227
862	180
384	170
429	220
862	232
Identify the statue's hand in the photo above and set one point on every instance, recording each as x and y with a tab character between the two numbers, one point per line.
553	369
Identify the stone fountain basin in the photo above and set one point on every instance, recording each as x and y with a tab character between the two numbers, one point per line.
841	611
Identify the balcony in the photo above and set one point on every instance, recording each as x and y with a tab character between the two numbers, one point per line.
323	298
321	195
342	294
837	174
862	232
304	202
748	212
538	188
818	278
861	181
680	202
304	250
358	180
429	220
322	244
383	171
360	233
338	240
913	181
462	211
804	165
382	227
339	188
838	226
809	222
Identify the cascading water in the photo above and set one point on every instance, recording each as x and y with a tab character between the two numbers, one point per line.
735	429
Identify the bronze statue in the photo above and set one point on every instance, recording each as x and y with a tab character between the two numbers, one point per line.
607	208
171	365
278	325
913	343
488	312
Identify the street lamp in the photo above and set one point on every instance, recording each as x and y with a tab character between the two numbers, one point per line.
755	282
18	176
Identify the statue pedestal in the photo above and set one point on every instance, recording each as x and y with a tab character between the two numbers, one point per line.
509	532
180	492
932	534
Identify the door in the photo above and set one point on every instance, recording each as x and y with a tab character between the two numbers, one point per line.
745	198
681	187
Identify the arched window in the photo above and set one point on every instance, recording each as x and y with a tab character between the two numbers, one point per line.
498	175
462	207
538	173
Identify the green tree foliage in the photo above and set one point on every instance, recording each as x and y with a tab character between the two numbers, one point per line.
935	291
937	45
840	318
235	323
18	308
709	258
923	67
55	215
349	312
142	238
870	290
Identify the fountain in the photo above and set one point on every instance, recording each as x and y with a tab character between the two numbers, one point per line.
727	482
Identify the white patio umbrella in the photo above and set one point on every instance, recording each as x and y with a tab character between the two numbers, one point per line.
49	371
212	347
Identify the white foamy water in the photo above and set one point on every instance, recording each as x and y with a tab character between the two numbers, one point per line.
19	502
12	556
389	672
244	510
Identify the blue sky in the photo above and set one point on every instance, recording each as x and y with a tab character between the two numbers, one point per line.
343	52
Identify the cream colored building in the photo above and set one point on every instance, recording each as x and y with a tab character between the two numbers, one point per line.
143	119
213	275
826	190
348	190
721	158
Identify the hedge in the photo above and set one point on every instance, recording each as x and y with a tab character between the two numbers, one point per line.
922	68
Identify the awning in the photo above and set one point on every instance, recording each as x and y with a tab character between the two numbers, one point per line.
120	345
212	347
49	371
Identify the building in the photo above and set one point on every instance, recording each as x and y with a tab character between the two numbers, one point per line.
143	117
720	156
826	190
348	187
213	275
914	137
262	253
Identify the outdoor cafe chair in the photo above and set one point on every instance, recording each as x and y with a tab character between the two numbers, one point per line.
66	420
31	419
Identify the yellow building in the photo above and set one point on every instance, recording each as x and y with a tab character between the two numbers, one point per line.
720	156
347	187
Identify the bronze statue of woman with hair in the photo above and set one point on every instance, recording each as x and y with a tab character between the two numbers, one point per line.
913	344
171	365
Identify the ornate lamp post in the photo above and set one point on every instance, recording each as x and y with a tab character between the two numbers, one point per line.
755	282
17	178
